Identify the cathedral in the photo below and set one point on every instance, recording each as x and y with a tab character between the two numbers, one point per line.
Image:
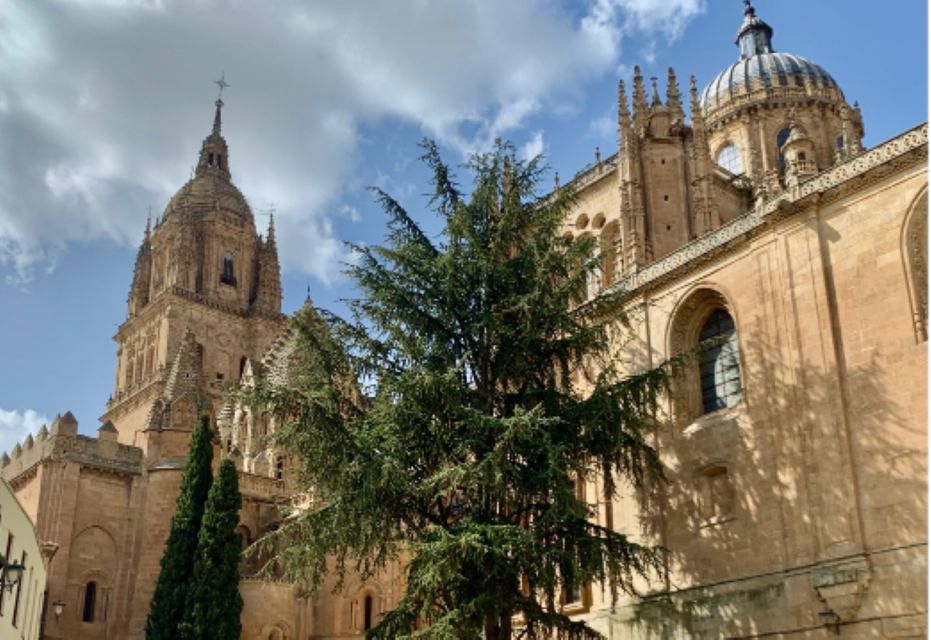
795	452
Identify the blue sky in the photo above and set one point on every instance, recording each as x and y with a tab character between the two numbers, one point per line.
103	104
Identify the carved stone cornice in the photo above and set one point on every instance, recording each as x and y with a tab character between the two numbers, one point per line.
905	150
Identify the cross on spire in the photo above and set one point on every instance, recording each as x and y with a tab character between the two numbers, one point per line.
223	84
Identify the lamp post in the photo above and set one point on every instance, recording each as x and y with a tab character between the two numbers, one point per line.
10	573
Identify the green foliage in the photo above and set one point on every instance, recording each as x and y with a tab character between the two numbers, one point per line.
178	560
459	458
214	604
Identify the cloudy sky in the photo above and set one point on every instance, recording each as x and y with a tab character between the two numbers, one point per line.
103	104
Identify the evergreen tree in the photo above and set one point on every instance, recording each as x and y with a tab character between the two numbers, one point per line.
214	604
170	594
460	456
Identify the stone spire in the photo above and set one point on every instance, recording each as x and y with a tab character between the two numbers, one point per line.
630	174
655	101
754	36
142	272
182	398
214	154
623	112
705	216
641	109
673	97
268	289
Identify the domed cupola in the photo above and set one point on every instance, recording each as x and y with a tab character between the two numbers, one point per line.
746	106
210	189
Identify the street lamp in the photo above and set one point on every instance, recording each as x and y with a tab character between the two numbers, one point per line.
10	573
57	608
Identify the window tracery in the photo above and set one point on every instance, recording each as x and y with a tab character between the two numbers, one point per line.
729	158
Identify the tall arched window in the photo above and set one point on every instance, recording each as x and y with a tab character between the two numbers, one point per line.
90	601
781	138
719	367
729	158
227	276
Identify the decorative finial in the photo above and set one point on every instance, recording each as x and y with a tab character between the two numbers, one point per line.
556	181
597	156
673	98
694	102
623	111
754	36
270	236
656	101
223	84
640	99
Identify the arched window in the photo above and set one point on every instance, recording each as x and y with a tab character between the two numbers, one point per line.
729	158
719	367
367	612
781	138
227	276
90	601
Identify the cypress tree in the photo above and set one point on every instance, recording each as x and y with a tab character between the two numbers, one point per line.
167	606
447	421
214	605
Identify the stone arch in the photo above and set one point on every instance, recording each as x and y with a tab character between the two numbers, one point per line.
915	261
687	321
366	608
277	631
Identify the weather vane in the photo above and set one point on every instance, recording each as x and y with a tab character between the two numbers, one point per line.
223	84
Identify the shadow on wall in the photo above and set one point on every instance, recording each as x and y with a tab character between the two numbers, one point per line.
760	512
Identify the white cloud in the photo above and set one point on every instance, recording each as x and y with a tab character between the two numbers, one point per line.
104	102
533	147
16	425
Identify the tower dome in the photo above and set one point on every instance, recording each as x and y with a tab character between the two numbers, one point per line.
749	106
210	189
762	73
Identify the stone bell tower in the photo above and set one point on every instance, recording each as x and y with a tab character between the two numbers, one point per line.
205	297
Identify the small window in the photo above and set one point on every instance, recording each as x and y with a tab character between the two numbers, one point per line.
801	156
227	276
279	468
90	601
219	161
839	142
210	160
242	366
719	368
716	493
729	158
